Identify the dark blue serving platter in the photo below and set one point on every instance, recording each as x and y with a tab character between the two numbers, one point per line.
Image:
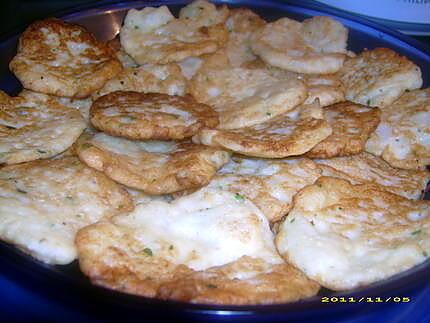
65	285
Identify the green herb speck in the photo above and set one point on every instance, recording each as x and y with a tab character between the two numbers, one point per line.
212	286
171	247
268	114
425	254
368	102
40	151
21	191
416	232
239	197
292	220
147	251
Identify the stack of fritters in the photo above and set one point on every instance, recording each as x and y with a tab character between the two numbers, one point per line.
215	157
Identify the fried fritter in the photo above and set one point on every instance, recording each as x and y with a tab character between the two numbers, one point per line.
345	236
269	184
403	137
378	77
44	203
62	59
154	35
290	134
352	125
33	129
152	166
246	97
365	167
147	78
159	116
315	46
208	247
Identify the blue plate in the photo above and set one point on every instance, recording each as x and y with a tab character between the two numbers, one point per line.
66	284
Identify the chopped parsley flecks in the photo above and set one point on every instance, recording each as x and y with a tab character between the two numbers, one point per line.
239	197
147	251
416	232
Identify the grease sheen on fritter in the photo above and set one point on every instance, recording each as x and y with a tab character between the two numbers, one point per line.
207	247
315	46
158	116
154	167
378	77
44	203
269	184
34	128
346	236
154	35
365	167
290	134
352	125
63	59
403	137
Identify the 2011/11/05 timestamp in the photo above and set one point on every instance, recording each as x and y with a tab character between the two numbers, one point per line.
388	299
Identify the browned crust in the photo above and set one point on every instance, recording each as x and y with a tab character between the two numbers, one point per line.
108	191
278	284
365	167
191	167
378	77
109	265
247	141
61	80
352	125
150	126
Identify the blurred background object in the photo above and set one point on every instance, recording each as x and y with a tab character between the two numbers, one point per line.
408	16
